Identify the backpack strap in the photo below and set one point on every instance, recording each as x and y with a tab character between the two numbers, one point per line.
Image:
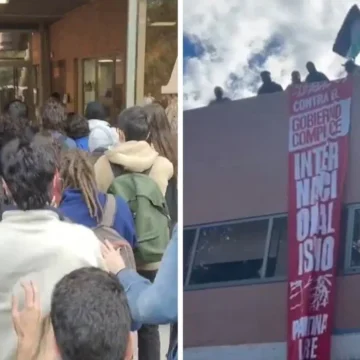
117	170
109	211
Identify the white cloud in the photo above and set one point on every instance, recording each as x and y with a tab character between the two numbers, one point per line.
240	29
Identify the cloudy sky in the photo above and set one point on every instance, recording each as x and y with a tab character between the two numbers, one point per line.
229	42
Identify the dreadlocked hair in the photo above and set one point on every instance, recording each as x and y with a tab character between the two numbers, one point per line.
77	173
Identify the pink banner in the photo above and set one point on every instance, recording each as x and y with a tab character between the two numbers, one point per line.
318	152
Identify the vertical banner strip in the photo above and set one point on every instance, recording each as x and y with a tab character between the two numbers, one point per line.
318	154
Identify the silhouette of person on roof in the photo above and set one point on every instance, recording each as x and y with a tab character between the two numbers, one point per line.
268	86
351	68
219	96
295	78
314	75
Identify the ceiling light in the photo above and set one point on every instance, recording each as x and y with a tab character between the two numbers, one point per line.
108	60
4	2
163	23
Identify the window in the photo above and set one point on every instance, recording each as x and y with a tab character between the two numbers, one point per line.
278	258
89	78
354	233
242	251
188	243
105	84
157	48
103	80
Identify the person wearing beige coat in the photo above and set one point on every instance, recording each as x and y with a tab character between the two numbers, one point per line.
134	153
137	157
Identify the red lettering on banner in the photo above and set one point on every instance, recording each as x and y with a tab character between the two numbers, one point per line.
318	147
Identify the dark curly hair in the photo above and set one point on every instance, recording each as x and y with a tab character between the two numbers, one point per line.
12	128
17	109
77	126
54	116
28	169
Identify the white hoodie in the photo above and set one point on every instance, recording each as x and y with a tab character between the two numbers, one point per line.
95	122
102	135
36	245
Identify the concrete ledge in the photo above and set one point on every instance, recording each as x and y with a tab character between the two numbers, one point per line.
344	347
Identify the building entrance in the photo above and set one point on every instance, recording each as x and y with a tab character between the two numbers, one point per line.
15	83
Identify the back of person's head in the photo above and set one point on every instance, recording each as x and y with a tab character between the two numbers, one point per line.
28	169
76	172
54	116
17	109
310	66
76	126
95	111
219	92
133	123
265	76
350	66
12	127
91	316
102	137
161	136
56	96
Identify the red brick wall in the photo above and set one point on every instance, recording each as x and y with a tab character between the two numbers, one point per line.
252	314
236	155
94	30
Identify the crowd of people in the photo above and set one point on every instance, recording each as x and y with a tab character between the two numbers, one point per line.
88	233
269	86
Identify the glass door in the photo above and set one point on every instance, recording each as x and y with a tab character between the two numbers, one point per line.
16	82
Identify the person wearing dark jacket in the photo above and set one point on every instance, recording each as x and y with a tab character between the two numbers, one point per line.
219	96
54	122
268	86
314	75
77	128
83	204
295	78
351	68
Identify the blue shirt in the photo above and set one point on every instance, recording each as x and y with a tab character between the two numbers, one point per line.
73	206
155	303
69	143
82	143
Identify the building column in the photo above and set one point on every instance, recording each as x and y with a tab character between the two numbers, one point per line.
131	51
45	68
140	56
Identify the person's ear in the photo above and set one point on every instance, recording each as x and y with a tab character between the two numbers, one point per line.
56	190
121	134
48	347
6	190
129	355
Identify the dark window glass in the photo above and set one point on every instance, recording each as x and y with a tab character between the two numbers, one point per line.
230	252
343	243
277	264
188	242
355	253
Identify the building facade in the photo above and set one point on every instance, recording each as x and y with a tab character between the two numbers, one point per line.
119	52
115	51
235	236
